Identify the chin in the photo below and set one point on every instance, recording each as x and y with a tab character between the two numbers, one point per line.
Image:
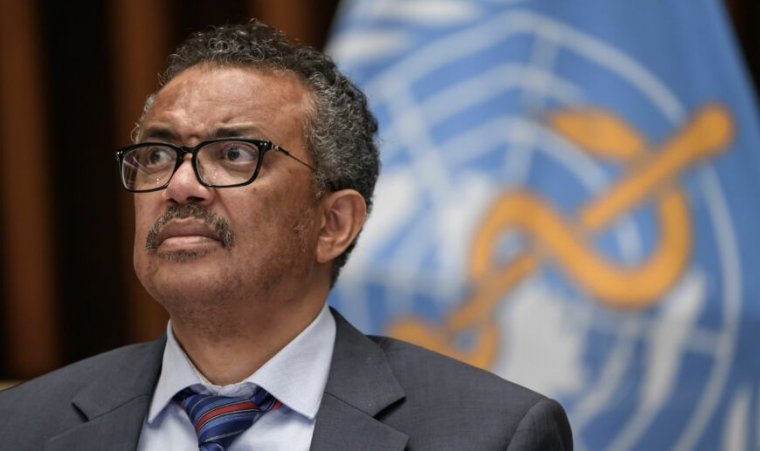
182	275
190	290
183	256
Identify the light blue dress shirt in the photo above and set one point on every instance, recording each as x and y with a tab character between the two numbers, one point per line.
296	376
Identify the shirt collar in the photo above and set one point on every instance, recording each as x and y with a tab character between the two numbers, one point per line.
296	375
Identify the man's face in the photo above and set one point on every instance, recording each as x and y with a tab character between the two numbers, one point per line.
226	247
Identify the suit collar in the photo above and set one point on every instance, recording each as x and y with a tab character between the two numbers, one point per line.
360	386
114	406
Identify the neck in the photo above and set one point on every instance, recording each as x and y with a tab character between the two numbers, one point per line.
227	350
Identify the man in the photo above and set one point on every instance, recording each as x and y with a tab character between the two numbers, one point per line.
253	173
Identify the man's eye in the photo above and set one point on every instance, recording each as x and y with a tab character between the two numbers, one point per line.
157	156
239	154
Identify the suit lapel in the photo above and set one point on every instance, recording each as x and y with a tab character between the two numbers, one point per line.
361	385
114	405
116	430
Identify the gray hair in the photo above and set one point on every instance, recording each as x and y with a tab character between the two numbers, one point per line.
340	130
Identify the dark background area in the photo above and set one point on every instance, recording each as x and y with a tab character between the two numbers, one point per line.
73	77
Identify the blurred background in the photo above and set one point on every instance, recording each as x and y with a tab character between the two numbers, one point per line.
74	75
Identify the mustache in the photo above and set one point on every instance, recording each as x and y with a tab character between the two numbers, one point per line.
218	224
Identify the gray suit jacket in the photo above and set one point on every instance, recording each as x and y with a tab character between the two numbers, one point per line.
381	394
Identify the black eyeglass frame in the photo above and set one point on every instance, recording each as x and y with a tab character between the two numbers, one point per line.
263	145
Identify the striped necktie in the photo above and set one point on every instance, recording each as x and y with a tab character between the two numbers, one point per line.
219	420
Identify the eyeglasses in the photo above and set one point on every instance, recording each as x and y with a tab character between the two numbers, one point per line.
218	163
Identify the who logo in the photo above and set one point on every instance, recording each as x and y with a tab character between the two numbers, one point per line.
563	202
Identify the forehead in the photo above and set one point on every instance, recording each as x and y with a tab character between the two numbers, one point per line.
203	99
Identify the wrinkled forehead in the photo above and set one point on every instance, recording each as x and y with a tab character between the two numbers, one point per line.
205	96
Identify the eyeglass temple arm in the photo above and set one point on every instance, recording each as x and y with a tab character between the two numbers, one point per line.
280	149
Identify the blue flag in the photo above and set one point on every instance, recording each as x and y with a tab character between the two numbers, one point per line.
570	197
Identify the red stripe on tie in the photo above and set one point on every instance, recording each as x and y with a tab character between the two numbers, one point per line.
211	414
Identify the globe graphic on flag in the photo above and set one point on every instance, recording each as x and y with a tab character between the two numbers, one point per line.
482	115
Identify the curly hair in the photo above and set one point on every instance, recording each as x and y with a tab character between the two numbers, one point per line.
340	130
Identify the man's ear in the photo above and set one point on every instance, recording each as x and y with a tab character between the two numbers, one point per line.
344	214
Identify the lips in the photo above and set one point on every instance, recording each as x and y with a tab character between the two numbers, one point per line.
186	233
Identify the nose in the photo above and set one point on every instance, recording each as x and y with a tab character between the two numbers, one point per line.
184	187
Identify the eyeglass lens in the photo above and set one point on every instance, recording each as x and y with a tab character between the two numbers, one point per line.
222	163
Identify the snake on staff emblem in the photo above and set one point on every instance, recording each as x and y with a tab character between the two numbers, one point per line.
650	174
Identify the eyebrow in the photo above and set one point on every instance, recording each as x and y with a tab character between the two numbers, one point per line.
236	132
168	135
160	133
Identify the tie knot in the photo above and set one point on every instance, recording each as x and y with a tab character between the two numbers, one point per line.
218	420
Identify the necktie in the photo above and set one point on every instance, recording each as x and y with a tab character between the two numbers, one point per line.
218	420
